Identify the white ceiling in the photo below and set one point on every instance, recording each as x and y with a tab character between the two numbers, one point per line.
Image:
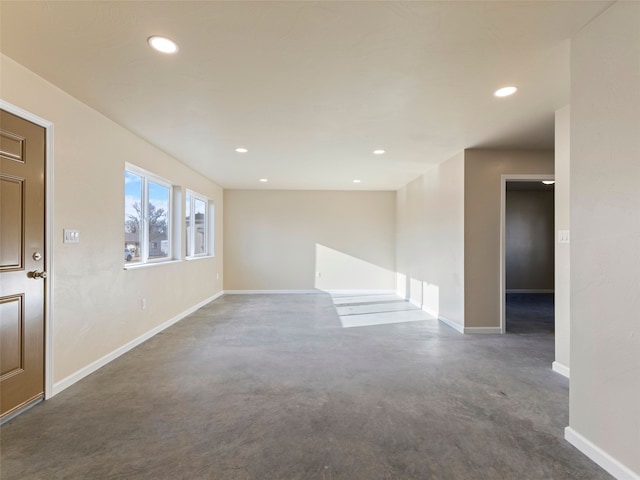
310	88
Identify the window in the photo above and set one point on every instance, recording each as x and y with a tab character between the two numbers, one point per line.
147	217
197	225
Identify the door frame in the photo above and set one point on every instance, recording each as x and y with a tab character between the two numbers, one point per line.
48	240
503	205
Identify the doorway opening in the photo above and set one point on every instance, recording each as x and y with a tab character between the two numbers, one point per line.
527	254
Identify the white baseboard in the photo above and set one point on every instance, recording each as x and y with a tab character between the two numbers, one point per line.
268	292
101	362
433	313
560	368
529	290
461	328
483	330
390	291
360	291
456	326
602	458
415	303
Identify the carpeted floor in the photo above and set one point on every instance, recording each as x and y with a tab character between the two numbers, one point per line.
273	387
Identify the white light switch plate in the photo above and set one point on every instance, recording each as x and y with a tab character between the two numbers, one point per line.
563	236
71	236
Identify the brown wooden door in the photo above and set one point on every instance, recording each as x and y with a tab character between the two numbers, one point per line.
22	157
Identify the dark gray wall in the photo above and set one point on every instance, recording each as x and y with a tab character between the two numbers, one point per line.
529	240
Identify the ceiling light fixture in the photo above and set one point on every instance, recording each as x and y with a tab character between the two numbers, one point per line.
505	91
378	152
163	44
548	182
264	180
356	181
241	150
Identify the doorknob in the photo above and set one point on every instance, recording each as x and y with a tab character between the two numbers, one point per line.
38	274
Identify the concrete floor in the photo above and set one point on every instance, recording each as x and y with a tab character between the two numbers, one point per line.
273	387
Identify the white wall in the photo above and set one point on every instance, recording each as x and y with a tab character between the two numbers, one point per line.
562	250
529	240
430	240
605	239
95	302
279	239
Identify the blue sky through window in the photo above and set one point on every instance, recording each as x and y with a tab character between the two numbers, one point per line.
132	193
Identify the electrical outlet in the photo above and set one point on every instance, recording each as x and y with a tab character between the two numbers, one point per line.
143	304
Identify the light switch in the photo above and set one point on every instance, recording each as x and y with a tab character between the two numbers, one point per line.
71	236
563	236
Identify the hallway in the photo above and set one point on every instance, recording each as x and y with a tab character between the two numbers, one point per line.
273	387
528	313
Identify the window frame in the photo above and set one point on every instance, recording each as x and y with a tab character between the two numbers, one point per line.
143	240
190	196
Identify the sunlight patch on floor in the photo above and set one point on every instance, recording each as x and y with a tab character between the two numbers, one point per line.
369	310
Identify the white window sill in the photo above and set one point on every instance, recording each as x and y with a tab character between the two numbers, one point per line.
135	266
199	257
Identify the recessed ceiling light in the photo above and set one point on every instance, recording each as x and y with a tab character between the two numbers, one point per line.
548	182
263	180
505	91
378	152
356	181
163	44
241	150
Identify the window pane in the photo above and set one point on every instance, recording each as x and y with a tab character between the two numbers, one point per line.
158	221
132	216
200	234
188	226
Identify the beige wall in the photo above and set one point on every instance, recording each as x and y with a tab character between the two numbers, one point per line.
430	240
529	240
95	302
482	179
605	237
562	250
279	239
